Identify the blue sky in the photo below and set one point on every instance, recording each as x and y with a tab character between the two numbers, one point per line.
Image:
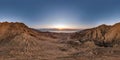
69	13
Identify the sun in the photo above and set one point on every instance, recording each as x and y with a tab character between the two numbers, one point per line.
60	27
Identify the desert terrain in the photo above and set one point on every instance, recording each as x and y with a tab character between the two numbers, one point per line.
19	42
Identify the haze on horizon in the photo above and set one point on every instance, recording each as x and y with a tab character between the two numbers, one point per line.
60	13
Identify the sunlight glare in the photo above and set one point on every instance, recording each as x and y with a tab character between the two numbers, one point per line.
60	27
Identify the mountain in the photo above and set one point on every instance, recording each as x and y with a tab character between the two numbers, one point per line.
18	33
103	35
19	42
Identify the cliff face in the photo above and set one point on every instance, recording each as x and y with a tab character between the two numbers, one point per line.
102	35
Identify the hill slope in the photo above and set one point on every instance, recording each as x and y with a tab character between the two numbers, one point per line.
17	41
102	35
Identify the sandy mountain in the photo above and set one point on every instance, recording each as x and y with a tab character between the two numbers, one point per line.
103	35
93	33
19	42
113	34
17	32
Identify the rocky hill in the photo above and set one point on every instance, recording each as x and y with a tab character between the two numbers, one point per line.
103	35
18	34
19	42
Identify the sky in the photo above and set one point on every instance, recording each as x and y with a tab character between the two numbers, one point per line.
60	13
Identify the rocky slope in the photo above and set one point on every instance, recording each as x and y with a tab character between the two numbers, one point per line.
19	42
103	35
18	33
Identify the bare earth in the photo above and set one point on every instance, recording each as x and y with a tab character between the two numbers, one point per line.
19	42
